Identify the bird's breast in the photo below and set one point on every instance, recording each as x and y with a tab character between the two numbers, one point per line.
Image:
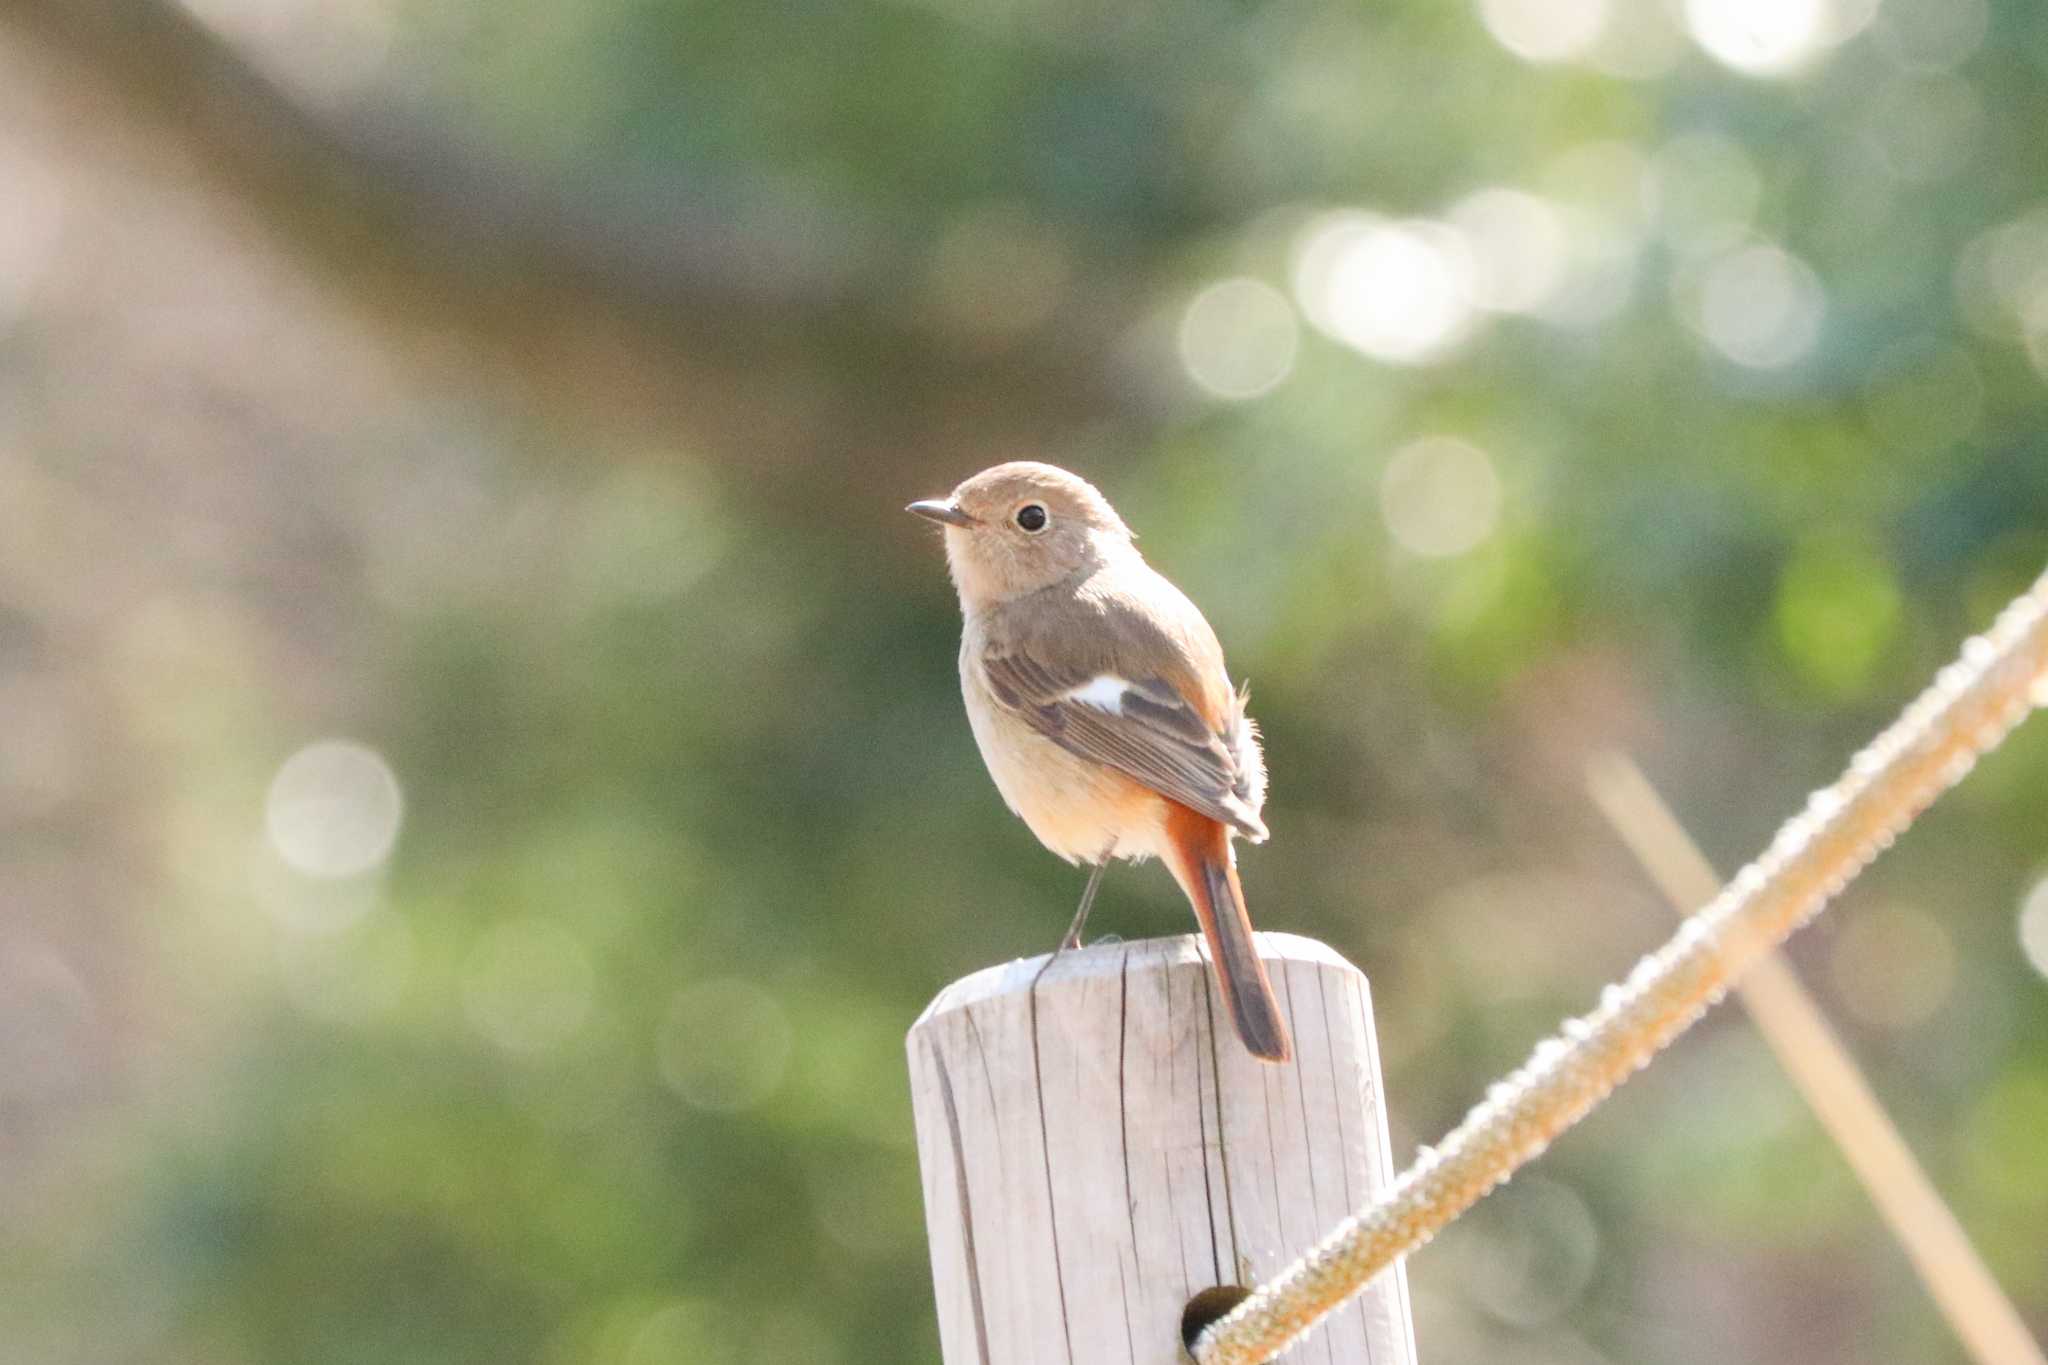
1078	808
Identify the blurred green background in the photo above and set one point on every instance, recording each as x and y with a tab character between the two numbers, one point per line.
483	789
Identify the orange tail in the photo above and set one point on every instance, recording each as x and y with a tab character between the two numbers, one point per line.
1200	860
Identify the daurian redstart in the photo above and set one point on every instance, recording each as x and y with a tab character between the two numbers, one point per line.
1098	696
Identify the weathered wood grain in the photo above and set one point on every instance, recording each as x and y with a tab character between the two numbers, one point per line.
1099	1149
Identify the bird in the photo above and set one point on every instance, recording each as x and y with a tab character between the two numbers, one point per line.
1097	694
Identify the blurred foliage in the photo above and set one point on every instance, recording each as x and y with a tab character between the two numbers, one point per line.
603	1063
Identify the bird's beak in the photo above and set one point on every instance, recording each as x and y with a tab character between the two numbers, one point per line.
938	509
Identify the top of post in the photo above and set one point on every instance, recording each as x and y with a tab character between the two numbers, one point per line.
1111	958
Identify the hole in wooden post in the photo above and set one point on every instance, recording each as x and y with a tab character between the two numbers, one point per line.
1206	1307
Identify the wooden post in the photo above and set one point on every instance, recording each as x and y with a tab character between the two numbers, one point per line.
1098	1151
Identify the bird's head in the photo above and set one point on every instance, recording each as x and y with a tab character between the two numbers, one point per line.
1023	526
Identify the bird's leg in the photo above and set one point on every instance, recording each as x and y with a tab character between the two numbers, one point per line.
1073	938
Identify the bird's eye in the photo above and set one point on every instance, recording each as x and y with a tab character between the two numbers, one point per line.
1031	517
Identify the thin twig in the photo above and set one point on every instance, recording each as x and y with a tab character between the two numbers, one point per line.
1978	1311
1969	709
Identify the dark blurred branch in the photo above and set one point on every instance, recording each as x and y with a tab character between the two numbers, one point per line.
630	312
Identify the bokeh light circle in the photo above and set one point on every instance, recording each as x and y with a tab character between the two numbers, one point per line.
1760	37
1758	305
724	1045
1893	966
1545	30
2033	926
527	985
1440	496
1519	246
1540	1252
333	810
2002	273
1702	189
1238	338
1400	292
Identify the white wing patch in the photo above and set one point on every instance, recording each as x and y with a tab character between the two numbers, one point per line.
1104	692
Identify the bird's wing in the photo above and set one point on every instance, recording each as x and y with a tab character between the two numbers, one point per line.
1085	689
